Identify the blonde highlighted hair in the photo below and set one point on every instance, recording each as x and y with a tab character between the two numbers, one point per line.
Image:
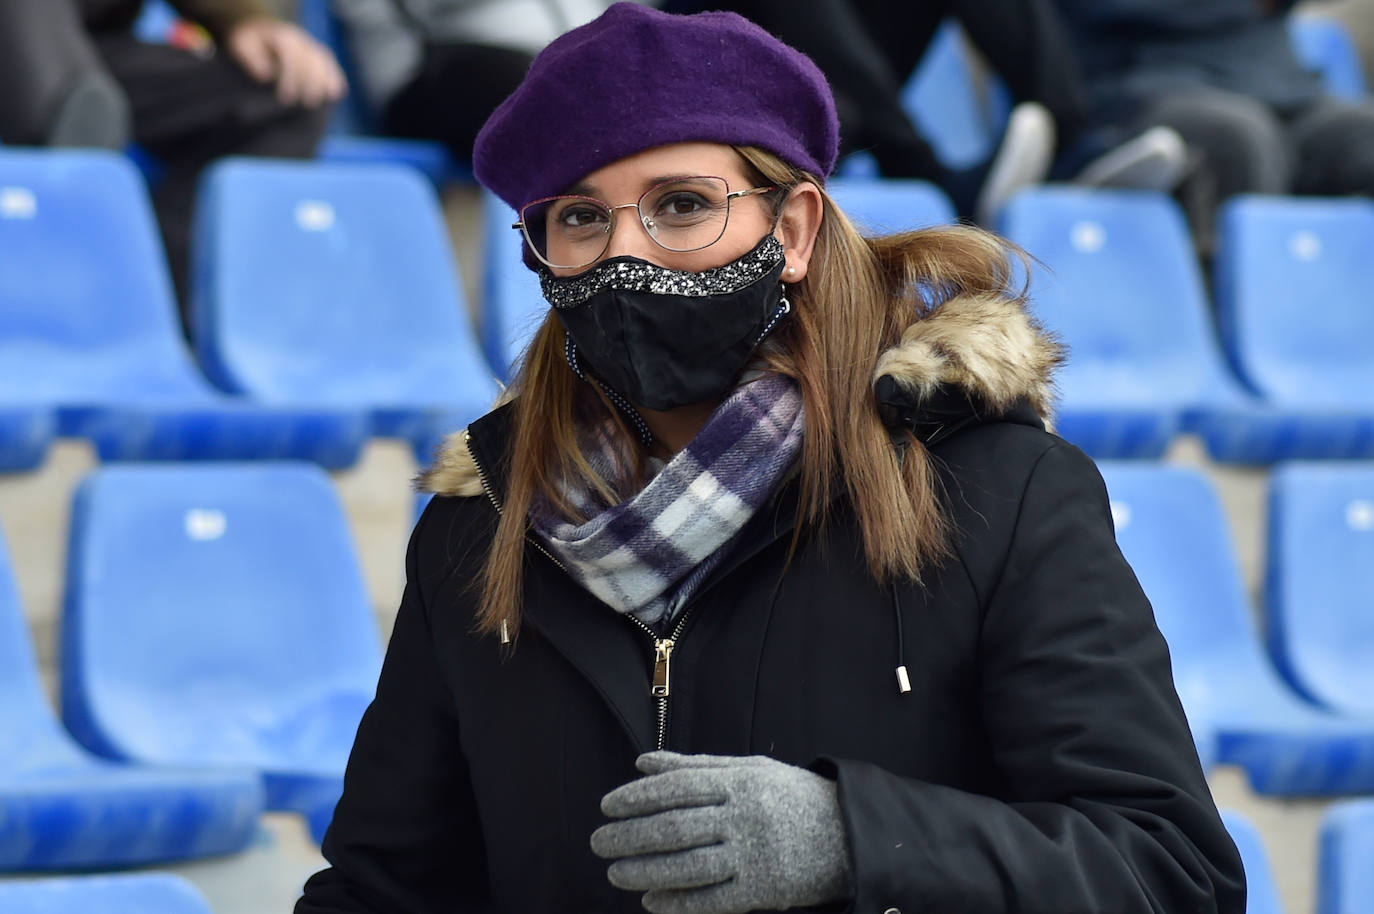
857	298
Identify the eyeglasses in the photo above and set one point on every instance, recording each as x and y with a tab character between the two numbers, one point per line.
685	214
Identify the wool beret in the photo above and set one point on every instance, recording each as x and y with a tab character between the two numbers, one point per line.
635	78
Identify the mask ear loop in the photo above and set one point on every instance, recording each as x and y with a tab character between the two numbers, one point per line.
641	428
784	309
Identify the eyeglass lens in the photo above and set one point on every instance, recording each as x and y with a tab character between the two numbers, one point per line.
683	215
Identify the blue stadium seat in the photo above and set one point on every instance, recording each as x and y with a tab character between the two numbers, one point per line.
1121	286
1345	859
891	205
88	325
512	305
1261	890
335	283
1290	278
943	99
1324	45
132	893
1319	587
215	614
62	809
1171	528
25	431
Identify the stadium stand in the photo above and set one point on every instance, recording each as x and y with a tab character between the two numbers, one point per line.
88	326
1170	526
1296	323
1345	849
1319	582
217	615
1121	286
25	430
943	97
891	205
1261	890
62	809
132	893
322	282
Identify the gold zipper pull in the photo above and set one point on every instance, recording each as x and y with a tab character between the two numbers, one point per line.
663	651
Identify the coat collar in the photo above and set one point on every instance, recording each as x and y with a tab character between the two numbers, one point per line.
973	358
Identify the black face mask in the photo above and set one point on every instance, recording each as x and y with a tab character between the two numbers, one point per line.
667	338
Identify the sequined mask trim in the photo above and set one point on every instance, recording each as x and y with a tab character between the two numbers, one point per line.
630	274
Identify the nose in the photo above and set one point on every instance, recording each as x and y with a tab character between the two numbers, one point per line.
629	236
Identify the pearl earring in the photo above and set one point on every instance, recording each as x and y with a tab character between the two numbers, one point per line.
791	270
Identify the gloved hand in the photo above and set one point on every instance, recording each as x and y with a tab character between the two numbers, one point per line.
711	834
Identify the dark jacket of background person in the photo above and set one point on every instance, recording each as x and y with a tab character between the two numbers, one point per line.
1132	49
1041	762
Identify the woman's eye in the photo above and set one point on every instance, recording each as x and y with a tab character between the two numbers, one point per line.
681	204
580	216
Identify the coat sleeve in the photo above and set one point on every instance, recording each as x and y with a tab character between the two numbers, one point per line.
405	838
1106	806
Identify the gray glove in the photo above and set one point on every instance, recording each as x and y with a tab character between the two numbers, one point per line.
712	834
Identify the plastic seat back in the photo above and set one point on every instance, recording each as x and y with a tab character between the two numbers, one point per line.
1325	45
212	613
512	305
1122	288
30	735
332	284
87	313
944	100
135	893
1171	528
1345	851
1319	587
1261	889
880	207
1291	300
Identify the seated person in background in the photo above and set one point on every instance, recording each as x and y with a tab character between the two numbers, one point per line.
868	50
434	69
74	74
1223	74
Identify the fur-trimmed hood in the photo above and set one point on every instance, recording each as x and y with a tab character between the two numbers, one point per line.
987	348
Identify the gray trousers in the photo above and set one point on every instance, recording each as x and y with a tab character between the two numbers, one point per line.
1245	146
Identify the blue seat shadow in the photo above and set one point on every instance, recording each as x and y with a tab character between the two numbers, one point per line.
1261	889
891	205
1345	848
215	614
89	327
1319	582
1295	323
1172	530
1325	45
131	893
512	305
335	283
1118	282
25	432
63	809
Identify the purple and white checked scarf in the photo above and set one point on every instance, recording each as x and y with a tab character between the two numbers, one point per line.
648	554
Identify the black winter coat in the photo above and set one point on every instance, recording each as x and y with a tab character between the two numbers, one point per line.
1040	763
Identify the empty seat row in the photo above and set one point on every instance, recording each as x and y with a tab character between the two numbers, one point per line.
1294	732
326	310
218	649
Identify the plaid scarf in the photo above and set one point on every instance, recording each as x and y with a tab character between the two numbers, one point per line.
647	555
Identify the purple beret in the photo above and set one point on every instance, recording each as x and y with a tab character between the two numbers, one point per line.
635	78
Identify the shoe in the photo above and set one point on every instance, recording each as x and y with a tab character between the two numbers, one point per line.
1154	160
1023	158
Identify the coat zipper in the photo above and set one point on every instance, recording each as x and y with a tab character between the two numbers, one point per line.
660	685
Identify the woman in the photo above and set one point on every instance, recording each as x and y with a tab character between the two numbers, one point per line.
772	520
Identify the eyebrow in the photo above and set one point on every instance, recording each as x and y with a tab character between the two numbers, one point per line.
583	189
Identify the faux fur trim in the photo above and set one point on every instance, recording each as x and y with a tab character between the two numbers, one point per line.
987	344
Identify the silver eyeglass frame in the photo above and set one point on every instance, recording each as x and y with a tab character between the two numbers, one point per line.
644	221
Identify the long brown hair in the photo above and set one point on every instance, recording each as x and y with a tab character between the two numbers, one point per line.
858	295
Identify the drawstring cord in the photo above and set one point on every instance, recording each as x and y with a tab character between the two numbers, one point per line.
903	681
